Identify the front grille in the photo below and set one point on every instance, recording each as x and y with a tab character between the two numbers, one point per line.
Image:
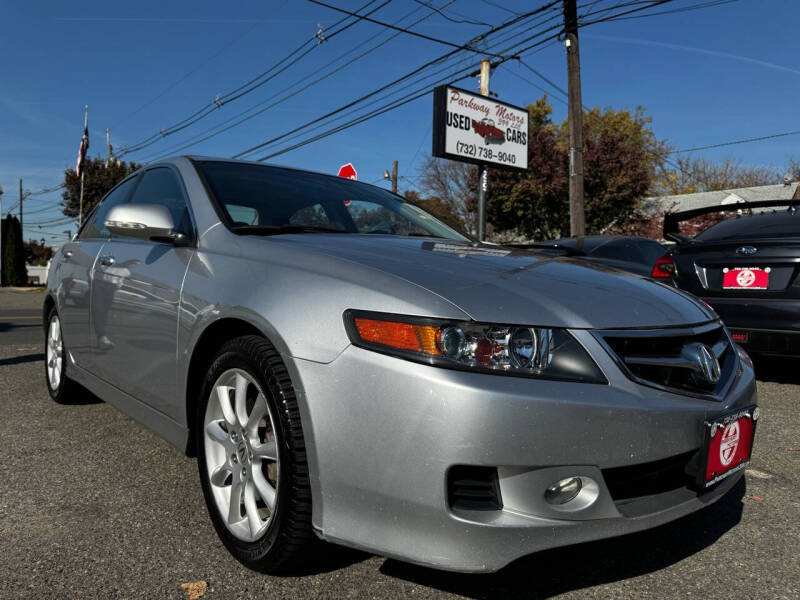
473	488
668	358
647	479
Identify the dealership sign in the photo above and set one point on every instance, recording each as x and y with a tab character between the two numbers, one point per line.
474	128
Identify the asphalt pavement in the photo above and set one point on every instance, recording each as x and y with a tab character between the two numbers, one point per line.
92	505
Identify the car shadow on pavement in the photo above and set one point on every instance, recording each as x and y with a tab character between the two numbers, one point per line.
6	326
778	369
80	396
577	567
326	558
18	360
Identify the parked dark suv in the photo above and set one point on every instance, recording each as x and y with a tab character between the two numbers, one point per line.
746	267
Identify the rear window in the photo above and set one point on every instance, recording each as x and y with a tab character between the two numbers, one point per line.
762	225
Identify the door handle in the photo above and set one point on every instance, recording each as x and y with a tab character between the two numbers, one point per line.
106	260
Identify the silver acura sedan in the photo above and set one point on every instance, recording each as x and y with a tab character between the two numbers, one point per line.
347	367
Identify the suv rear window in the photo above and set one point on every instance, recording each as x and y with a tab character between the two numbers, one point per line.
761	225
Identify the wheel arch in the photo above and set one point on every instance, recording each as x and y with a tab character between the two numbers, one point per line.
48	305
210	340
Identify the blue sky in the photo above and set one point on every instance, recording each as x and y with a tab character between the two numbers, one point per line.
705	76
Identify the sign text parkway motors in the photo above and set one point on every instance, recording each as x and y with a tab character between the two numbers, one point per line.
474	128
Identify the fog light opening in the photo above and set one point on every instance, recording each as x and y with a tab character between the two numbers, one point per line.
563	491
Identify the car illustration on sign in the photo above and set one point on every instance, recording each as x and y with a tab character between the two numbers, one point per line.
347	367
487	130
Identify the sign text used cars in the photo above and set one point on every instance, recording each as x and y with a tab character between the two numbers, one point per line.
474	128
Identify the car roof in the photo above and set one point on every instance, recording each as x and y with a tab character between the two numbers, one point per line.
201	158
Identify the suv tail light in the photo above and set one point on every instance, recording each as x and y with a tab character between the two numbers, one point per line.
664	268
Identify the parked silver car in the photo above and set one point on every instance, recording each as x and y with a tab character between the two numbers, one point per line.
346	366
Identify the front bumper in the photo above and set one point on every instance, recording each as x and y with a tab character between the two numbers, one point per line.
383	433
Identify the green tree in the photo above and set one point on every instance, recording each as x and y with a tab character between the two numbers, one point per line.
37	252
14	272
620	158
98	181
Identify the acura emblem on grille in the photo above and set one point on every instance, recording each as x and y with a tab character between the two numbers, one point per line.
708	365
747	250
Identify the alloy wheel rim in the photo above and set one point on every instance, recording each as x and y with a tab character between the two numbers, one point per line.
54	353
242	457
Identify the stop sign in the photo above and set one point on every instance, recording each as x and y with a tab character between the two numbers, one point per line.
347	171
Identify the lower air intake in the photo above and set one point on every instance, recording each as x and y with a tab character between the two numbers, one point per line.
473	488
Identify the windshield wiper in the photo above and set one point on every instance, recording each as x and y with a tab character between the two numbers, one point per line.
281	229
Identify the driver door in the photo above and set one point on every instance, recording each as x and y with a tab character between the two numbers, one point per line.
136	301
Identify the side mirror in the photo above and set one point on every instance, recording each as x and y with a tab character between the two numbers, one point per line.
143	221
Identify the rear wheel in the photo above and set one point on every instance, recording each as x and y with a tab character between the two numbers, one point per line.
251	456
61	388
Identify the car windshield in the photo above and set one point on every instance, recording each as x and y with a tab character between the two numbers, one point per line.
780	224
269	200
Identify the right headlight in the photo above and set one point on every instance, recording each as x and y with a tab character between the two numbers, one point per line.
540	352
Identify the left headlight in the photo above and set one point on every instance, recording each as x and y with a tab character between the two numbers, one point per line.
520	350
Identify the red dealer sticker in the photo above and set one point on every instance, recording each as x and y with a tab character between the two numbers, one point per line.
729	442
745	279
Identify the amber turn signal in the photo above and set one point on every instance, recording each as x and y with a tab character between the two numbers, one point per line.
403	336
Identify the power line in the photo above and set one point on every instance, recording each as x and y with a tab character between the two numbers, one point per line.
232	122
407	31
543	78
701	5
46	190
172	85
736	142
396	81
213	131
538	87
449	18
617	16
413	96
251	85
424	91
501	7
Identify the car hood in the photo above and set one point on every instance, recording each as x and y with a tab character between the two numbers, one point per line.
505	285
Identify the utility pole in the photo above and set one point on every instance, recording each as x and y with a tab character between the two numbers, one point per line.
108	145
577	218
394	177
21	198
483	170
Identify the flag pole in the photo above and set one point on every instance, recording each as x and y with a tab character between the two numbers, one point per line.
83	169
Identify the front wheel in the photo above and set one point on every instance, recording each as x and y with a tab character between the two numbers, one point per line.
251	456
60	387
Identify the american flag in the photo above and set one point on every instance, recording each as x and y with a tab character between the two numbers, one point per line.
82	149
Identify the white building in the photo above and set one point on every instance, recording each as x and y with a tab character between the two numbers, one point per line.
682	202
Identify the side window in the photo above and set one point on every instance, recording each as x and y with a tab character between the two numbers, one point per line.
161	186
95	228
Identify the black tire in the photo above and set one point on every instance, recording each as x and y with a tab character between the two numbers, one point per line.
289	531
65	392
